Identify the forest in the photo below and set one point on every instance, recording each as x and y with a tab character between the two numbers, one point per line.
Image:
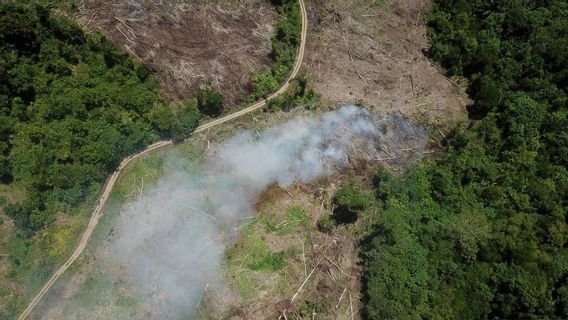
480	232
72	105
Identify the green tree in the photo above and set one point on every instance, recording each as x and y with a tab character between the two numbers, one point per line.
210	102
486	222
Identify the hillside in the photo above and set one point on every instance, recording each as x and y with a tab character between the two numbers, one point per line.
415	167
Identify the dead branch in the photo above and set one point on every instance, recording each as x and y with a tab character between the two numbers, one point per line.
141	189
331	274
306	280
412	84
124	34
349	51
126	26
203	213
351	305
285	223
385	158
284	314
304	257
454	84
91	20
202	294
337	267
340	297
383	52
345	41
289	194
408	149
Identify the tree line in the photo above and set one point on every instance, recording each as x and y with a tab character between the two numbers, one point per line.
73	104
481	232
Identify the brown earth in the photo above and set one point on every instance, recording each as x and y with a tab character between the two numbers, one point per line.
202	43
372	52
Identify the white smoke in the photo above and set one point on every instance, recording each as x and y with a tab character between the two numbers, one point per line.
169	244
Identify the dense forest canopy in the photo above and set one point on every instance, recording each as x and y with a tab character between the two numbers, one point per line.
72	105
481	232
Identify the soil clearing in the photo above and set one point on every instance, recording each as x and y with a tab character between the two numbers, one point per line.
202	43
358	52
372	52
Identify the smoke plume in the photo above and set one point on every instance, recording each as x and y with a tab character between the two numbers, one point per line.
169	244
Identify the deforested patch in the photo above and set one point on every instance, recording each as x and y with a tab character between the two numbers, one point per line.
190	43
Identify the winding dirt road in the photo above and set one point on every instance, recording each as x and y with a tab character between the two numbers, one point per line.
97	213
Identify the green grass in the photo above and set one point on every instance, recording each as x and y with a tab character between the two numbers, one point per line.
252	267
294	218
250	262
99	288
32	261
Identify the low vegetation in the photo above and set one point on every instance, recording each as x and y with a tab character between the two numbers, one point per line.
297	95
210	102
285	44
348	202
481	232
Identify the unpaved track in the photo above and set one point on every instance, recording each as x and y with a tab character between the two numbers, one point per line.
97	213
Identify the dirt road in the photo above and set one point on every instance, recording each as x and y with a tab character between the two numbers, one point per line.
97	213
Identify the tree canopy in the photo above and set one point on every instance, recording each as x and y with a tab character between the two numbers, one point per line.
481	232
72	105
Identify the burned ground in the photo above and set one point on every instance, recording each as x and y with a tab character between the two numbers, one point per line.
203	43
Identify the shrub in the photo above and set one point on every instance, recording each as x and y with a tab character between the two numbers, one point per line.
349	202
271	261
283	53
210	102
326	224
186	119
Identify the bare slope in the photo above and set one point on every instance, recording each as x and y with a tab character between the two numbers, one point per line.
373	52
219	43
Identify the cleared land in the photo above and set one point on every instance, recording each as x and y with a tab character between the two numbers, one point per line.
191	44
367	52
395	76
372	52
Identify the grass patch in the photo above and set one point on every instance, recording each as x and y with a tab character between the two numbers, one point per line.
294	218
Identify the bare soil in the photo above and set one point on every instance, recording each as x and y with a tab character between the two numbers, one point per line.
373	52
191	44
